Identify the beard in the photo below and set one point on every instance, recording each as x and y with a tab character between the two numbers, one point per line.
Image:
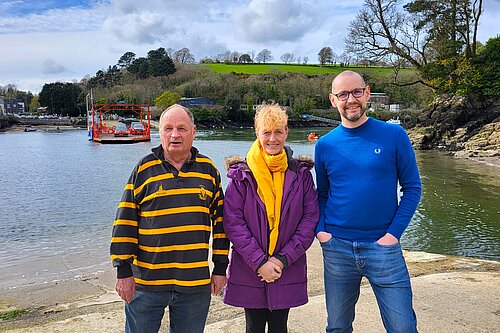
353	117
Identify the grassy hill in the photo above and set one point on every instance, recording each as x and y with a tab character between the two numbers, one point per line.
295	68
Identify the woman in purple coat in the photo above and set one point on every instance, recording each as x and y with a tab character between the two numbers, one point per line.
270	213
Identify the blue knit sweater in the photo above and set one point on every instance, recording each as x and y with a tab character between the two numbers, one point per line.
357	174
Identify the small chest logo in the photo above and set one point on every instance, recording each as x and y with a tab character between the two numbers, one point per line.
377	151
160	191
203	193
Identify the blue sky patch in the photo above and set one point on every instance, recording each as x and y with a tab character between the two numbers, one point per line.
26	7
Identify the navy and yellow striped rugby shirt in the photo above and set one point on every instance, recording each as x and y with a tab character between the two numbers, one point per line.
162	229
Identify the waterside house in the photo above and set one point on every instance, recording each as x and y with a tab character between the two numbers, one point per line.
196	102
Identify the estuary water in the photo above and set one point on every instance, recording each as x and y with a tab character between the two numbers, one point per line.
59	193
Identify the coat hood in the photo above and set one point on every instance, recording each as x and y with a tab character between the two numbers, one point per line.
239	162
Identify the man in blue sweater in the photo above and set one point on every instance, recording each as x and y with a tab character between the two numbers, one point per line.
358	167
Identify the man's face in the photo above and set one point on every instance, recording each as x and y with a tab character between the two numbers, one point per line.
177	133
353	108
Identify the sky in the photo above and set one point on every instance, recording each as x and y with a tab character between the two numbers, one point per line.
47	41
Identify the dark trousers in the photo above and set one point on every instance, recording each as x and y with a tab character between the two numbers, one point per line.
257	318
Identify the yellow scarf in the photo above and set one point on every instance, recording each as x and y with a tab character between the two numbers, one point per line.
269	172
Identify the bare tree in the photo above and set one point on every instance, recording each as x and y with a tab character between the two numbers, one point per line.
382	30
184	56
287	57
306	59
264	56
234	56
170	52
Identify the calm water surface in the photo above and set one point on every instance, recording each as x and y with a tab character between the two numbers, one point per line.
60	192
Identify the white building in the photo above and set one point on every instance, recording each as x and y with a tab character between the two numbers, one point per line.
2	107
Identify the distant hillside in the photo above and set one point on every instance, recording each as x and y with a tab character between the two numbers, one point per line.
313	69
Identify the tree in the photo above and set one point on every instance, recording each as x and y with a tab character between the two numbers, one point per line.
232	104
139	68
306	59
287	57
166	99
325	56
184	56
34	104
264	56
113	75
430	35
126	59
170	52
61	98
160	63
245	58
487	62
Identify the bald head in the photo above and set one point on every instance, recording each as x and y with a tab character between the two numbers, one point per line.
348	75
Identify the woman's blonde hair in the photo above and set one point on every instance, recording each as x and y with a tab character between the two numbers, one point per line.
270	116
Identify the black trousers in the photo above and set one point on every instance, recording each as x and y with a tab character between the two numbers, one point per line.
276	320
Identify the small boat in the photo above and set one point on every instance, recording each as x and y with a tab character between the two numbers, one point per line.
394	121
312	136
29	129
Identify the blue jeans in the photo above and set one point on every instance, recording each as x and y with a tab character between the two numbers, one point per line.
346	262
187	312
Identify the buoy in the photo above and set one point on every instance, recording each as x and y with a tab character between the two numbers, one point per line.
312	136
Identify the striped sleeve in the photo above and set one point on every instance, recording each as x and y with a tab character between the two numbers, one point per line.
220	242
124	241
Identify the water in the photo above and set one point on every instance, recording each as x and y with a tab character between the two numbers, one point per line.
60	193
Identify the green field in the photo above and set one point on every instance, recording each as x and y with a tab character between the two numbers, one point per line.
288	68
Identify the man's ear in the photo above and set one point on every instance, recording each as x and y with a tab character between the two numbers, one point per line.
332	100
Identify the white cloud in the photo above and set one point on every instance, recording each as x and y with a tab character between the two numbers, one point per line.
139	28
266	21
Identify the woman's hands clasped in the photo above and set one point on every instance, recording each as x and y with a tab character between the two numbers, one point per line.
271	270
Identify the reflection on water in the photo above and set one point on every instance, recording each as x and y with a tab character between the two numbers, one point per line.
60	192
460	208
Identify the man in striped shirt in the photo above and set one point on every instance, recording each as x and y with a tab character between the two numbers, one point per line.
171	204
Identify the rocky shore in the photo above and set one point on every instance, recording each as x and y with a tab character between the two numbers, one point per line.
463	126
451	294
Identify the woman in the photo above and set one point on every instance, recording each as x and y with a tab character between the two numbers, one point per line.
270	213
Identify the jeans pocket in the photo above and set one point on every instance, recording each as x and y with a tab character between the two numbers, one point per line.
137	294
326	243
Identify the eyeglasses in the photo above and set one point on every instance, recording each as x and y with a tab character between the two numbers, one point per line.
344	95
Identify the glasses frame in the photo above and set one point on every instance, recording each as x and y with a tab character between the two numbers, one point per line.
349	93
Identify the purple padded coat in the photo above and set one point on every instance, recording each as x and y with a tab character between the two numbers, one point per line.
245	223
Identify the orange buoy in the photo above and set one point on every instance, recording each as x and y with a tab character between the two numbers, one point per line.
312	136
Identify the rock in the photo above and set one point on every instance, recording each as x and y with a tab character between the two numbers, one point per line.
458	123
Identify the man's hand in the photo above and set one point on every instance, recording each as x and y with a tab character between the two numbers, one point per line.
388	239
269	272
125	288
217	283
323	236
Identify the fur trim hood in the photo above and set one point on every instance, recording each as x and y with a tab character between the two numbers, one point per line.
233	161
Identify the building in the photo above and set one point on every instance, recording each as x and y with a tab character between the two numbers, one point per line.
196	102
379	101
14	106
2	107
